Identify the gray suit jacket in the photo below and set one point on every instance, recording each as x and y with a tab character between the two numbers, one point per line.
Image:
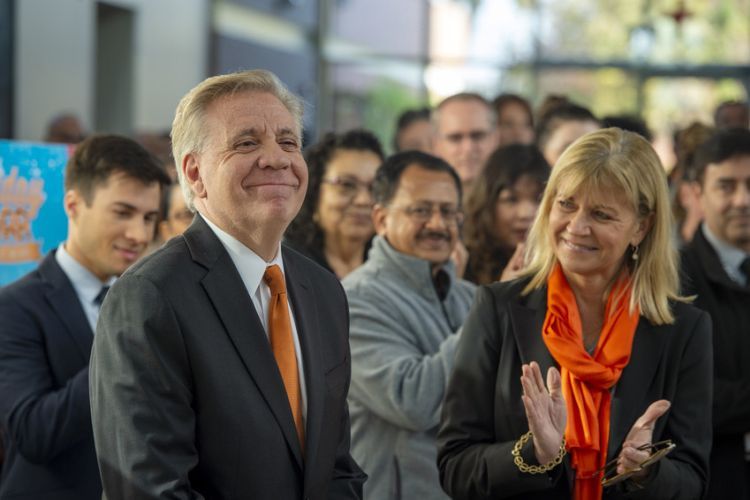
187	400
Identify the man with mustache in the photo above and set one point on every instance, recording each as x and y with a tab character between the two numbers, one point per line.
221	363
406	308
716	268
48	318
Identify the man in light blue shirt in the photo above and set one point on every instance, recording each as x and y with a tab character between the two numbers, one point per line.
112	196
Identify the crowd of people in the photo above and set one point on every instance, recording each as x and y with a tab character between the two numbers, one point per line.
514	304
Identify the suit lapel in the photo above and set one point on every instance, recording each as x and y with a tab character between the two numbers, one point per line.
527	320
63	299
307	323
236	311
711	262
628	402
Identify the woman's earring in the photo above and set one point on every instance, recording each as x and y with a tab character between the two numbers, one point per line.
634	253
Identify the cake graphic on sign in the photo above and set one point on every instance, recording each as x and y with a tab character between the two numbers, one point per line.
20	199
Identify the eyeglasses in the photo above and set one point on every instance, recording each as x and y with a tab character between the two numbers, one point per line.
658	450
423	213
348	186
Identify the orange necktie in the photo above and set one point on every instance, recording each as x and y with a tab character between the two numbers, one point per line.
282	344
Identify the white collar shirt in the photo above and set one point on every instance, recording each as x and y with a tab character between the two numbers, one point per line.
86	285
251	268
730	256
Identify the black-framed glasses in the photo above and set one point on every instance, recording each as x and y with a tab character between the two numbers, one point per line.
348	186
423	213
610	477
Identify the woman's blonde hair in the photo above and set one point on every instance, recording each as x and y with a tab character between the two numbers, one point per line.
188	131
616	161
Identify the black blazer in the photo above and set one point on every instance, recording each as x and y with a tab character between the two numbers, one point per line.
187	400
45	342
728	303
483	415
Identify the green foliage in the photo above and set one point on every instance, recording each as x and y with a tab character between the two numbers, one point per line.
384	101
713	32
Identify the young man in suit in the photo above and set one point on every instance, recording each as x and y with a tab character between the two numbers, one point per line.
221	363
112	190
716	268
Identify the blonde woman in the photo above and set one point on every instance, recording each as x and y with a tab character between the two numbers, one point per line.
627	361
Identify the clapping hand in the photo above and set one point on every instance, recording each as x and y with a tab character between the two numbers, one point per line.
631	458
545	410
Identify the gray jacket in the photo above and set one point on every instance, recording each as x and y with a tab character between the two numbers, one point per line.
403	341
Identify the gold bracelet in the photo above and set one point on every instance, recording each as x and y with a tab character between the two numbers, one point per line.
535	469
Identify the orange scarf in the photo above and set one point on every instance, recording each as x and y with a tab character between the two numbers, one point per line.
586	380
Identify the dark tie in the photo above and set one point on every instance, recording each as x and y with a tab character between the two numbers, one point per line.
282	344
100	296
745	268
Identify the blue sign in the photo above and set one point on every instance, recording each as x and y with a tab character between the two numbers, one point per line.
32	218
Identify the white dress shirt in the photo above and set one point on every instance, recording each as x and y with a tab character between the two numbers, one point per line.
251	268
730	256
85	283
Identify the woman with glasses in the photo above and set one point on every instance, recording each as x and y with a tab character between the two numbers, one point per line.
627	361
334	226
500	210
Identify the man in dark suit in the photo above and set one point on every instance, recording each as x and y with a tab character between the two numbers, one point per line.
208	379
48	317
716	268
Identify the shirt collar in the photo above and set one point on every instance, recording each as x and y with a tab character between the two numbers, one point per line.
730	256
418	271
249	264
86	284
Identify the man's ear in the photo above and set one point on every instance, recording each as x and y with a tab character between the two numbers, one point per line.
72	202
192	172
379	214
689	192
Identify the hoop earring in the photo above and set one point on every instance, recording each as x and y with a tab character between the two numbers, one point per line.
634	252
